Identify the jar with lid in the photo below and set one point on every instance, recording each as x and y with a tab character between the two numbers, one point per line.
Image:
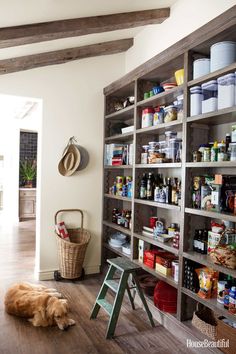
196	98
201	150
210	96
222	156
207	154
147	117
144	154
175	149
158	116
180	106
170	113
197	156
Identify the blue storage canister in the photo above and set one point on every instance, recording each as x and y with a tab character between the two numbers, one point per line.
210	94
226	91
196	98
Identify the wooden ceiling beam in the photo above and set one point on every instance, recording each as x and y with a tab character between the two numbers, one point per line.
63	56
46	31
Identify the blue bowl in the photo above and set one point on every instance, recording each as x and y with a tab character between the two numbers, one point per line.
157	89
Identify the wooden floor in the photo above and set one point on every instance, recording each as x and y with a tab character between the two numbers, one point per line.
17	336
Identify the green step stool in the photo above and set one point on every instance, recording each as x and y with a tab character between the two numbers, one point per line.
126	267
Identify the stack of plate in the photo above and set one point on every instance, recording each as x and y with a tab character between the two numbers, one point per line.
126	248
222	54
117	240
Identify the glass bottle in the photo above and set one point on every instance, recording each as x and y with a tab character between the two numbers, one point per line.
150	186
143	187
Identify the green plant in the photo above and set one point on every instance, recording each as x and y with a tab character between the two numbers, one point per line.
28	170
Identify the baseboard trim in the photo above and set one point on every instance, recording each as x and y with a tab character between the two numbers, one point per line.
49	274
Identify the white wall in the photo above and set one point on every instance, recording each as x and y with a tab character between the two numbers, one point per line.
186	16
72	97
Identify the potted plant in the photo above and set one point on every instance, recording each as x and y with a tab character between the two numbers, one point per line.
28	171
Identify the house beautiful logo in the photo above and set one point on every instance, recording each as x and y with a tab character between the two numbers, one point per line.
221	343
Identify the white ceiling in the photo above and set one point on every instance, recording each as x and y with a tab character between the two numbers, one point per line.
15	12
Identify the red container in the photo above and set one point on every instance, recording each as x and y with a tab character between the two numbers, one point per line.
165	297
149	258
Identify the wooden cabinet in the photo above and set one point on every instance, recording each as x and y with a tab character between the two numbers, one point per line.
27	203
193	130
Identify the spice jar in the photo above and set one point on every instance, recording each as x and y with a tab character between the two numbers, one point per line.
197	156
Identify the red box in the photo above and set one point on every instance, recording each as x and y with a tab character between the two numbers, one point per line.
150	257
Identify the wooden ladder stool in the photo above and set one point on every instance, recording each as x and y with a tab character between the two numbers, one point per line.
126	267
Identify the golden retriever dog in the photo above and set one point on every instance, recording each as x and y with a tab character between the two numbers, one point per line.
40	305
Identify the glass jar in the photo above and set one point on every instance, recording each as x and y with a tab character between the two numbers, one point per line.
170	113
175	145
158	116
197	156
222	156
144	154
207	154
180	106
201	150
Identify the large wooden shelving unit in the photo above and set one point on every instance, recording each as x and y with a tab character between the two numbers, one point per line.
195	130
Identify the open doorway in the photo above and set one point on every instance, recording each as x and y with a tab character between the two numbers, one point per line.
20	121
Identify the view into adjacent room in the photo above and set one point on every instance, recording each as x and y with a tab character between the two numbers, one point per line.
20	119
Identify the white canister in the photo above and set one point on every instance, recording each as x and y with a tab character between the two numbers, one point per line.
222	54
201	67
226	91
196	100
210	96
232	148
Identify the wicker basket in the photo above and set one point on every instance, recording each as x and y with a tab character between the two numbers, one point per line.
71	254
226	332
204	320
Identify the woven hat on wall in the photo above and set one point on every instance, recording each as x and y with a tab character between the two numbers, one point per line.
74	158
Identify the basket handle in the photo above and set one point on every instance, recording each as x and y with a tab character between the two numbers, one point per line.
69	210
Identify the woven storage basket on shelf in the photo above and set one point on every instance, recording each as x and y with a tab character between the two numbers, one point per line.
205	321
71	254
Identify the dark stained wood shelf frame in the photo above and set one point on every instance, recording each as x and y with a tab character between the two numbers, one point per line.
162	67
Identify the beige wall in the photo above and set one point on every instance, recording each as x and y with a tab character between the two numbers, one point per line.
186	16
72	97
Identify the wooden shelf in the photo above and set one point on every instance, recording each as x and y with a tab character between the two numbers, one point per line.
222	116
164	245
206	260
213	75
121	167
168	279
124	114
120	137
159	165
115	250
117	227
158	205
165	97
211	214
162	127
125	199
217	164
211	303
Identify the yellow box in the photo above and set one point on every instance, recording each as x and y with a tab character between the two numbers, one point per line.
163	270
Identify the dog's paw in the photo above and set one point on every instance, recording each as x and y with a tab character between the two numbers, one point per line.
71	322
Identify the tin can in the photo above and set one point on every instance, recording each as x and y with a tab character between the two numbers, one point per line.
175	270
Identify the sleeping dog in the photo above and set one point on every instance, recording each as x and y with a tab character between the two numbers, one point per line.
40	305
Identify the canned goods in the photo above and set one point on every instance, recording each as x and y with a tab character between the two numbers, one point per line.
175	270
207	154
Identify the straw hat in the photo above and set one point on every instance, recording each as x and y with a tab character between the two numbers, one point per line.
70	161
74	158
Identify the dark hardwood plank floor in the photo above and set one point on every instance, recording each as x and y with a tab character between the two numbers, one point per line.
133	332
